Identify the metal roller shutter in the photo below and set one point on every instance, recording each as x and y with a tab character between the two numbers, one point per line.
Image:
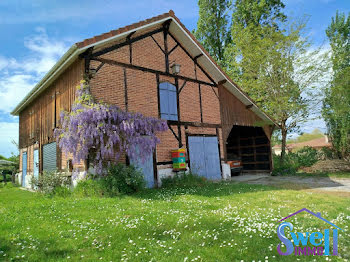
49	157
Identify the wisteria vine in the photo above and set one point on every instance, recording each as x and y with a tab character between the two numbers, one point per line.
102	132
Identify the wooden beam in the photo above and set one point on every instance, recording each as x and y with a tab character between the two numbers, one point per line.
178	111
172	49
158	95
221	82
128	38
166	53
218	136
127	42
200	101
194	124
144	69
157	44
99	67
130	35
197	56
215	92
125	90
183	85
172	131
87	56
188	54
199	91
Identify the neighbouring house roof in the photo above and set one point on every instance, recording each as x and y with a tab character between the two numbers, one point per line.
315	143
183	35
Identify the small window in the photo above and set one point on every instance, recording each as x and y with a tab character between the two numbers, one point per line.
168	101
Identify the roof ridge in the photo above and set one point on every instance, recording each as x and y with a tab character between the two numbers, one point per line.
123	29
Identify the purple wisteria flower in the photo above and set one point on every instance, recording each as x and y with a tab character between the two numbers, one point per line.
102	132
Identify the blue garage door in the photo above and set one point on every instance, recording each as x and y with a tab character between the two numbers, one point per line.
24	168
204	156
146	167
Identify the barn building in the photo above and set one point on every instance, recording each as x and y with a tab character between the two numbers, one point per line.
158	68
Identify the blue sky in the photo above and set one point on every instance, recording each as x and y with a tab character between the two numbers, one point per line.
34	34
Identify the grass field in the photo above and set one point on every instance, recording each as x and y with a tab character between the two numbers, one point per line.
218	222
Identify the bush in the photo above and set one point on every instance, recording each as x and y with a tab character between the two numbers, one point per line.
50	182
90	188
327	153
62	191
182	179
305	157
122	179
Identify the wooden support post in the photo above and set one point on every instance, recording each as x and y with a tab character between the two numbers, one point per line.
155	168
166	54
199	91
158	95
179	135
178	111
187	147
130	46
125	90
200	101
87	56
177	99
218	136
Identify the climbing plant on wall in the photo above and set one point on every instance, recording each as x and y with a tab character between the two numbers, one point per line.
102	132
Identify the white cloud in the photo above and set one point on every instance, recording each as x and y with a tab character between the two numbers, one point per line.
12	89
17	78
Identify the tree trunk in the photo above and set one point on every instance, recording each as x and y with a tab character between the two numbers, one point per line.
284	142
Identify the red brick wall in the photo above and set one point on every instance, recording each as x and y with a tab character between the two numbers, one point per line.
108	86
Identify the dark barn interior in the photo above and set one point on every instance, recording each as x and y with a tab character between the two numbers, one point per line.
251	145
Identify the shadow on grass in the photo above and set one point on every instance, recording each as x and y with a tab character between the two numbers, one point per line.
209	189
52	254
300	181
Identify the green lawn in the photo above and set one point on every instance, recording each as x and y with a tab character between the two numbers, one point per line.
218	222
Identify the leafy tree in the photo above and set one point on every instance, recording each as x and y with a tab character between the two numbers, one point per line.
257	13
277	69
102	132
213	29
336	106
